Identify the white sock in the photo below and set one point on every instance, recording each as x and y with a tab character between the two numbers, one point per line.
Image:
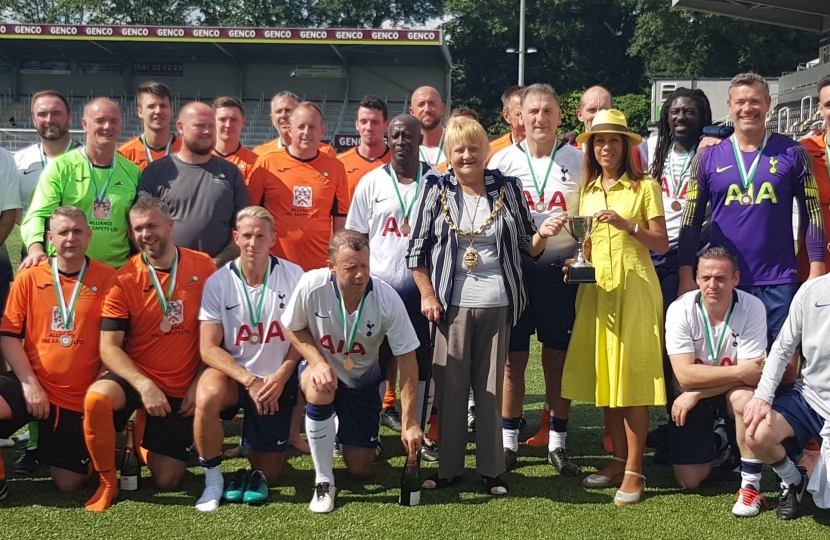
787	471
751	471
556	439
321	435
510	438
212	495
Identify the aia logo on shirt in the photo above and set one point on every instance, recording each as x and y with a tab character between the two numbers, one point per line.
303	196
391	227
557	201
274	331
336	347
664	185
724	362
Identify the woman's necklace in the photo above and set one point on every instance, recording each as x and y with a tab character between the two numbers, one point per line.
471	257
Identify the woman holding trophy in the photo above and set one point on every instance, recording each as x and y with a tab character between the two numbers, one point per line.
471	230
615	354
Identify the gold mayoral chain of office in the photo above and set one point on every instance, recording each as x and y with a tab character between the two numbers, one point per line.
471	257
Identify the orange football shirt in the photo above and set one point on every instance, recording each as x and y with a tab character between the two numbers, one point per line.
500	144
274	146
357	166
303	196
134	151
815	146
242	158
170	359
32	313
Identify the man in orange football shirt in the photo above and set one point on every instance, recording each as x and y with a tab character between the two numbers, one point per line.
230	119
304	189
150	343
56	305
511	111
282	105
372	123
155	110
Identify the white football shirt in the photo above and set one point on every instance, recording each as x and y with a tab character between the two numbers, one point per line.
561	193
315	307
746	336
30	163
223	302
376	211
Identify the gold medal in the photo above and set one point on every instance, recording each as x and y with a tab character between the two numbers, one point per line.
470	258
254	339
65	340
405	228
348	364
165	326
746	200
675	205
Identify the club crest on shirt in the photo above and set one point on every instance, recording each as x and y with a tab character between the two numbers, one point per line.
175	312
303	196
102	209
57	322
369	326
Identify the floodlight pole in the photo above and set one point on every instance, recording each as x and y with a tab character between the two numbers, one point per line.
521	42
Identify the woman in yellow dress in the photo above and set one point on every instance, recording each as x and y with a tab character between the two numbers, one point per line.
615	355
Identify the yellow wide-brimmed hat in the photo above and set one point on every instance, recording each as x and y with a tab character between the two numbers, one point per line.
610	121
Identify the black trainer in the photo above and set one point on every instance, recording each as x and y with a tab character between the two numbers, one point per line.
789	503
509	459
378	452
429	453
561	461
4	491
27	464
391	418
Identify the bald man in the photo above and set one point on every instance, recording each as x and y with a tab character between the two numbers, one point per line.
282	105
203	191
427	106
594	99
94	178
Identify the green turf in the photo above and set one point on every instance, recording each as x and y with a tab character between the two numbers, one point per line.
540	504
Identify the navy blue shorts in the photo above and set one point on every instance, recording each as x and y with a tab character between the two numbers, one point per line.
806	422
265	432
358	412
693	443
776	300
551	309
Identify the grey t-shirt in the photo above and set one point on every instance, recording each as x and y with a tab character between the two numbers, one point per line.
203	199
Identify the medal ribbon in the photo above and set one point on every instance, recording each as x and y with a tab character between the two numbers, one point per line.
406	210
440	152
708	327
540	191
99	194
255	317
147	150
677	183
746	177
157	284
350	336
44	160
66	312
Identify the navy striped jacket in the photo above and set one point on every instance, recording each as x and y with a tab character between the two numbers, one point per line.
433	245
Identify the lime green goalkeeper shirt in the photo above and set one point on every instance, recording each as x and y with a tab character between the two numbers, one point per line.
66	181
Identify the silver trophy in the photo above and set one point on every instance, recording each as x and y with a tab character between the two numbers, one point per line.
580	271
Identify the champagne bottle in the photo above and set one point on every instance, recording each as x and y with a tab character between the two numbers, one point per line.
411	482
130	467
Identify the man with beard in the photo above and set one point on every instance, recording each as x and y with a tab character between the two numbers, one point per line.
428	107
155	110
282	105
230	119
94	178
204	192
381	209
372	152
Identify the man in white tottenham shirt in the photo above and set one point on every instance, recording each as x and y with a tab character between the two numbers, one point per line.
779	426
716	340
337	318
254	366
382	209
551	178
428	107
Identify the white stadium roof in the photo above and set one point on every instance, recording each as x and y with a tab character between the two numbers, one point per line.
813	15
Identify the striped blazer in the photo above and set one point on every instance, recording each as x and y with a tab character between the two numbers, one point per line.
433	245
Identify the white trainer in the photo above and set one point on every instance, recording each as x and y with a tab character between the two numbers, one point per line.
323	500
748	502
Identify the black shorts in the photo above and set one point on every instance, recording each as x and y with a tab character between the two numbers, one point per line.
171	435
423	353
265	432
550	312
693	443
61	440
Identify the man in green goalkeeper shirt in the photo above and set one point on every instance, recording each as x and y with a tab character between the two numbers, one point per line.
94	178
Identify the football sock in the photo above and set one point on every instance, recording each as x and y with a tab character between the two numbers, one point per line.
432	434
34	430
788	472
558	433
99	433
319	427
139	425
214	483
389	399
510	432
541	437
471	402
751	473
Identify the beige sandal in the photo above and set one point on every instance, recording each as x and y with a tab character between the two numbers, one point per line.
600	481
624	498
